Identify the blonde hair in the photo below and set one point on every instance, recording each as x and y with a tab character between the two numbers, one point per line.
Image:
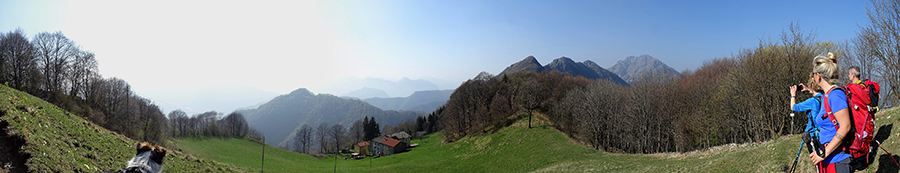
811	84
827	67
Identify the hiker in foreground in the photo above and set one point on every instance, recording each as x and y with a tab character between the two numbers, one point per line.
835	159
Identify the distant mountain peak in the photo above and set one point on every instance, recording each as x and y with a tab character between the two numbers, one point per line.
528	64
561	62
564	59
301	91
633	67
530	59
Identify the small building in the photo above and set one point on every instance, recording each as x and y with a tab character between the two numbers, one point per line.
387	146
402	136
362	148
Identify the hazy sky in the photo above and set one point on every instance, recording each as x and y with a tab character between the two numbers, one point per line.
279	46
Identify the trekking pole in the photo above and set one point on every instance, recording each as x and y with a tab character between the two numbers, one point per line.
793	166
889	154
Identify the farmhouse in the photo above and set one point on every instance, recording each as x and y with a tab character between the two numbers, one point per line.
383	146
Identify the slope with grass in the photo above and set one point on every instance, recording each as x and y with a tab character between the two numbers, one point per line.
248	153
539	149
37	136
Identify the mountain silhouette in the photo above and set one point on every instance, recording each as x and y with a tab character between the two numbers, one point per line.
587	69
366	93
425	101
634	67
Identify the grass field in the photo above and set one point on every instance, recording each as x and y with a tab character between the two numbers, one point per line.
37	136
540	149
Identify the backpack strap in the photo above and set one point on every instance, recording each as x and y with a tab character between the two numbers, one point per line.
830	115
818	101
828	112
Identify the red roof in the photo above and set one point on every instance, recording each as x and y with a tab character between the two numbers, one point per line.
390	142
363	144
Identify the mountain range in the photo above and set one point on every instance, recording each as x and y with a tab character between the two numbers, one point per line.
366	92
278	118
424	101
588	69
634	67
369	87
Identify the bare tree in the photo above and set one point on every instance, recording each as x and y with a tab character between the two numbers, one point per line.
357	132
337	133
322	136
56	52
881	39
206	124
235	125
179	122
530	96
79	73
18	55
303	139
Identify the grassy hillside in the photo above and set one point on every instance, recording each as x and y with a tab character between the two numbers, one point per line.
540	149
39	137
247	153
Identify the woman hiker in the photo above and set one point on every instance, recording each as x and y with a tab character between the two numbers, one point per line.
826	74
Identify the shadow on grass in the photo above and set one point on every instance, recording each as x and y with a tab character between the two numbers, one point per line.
883	132
886	161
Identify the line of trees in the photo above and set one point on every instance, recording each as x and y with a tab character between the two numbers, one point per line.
56	69
208	124
331	139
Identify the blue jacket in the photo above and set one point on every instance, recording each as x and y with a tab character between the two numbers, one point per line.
812	105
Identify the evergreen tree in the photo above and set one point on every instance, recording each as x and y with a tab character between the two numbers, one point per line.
370	128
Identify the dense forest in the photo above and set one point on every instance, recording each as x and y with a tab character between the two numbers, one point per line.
743	98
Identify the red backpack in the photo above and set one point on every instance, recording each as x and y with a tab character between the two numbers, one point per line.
861	120
874	94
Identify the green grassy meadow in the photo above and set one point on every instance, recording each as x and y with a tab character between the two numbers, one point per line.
540	149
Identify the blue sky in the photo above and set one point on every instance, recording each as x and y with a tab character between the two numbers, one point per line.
279	46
